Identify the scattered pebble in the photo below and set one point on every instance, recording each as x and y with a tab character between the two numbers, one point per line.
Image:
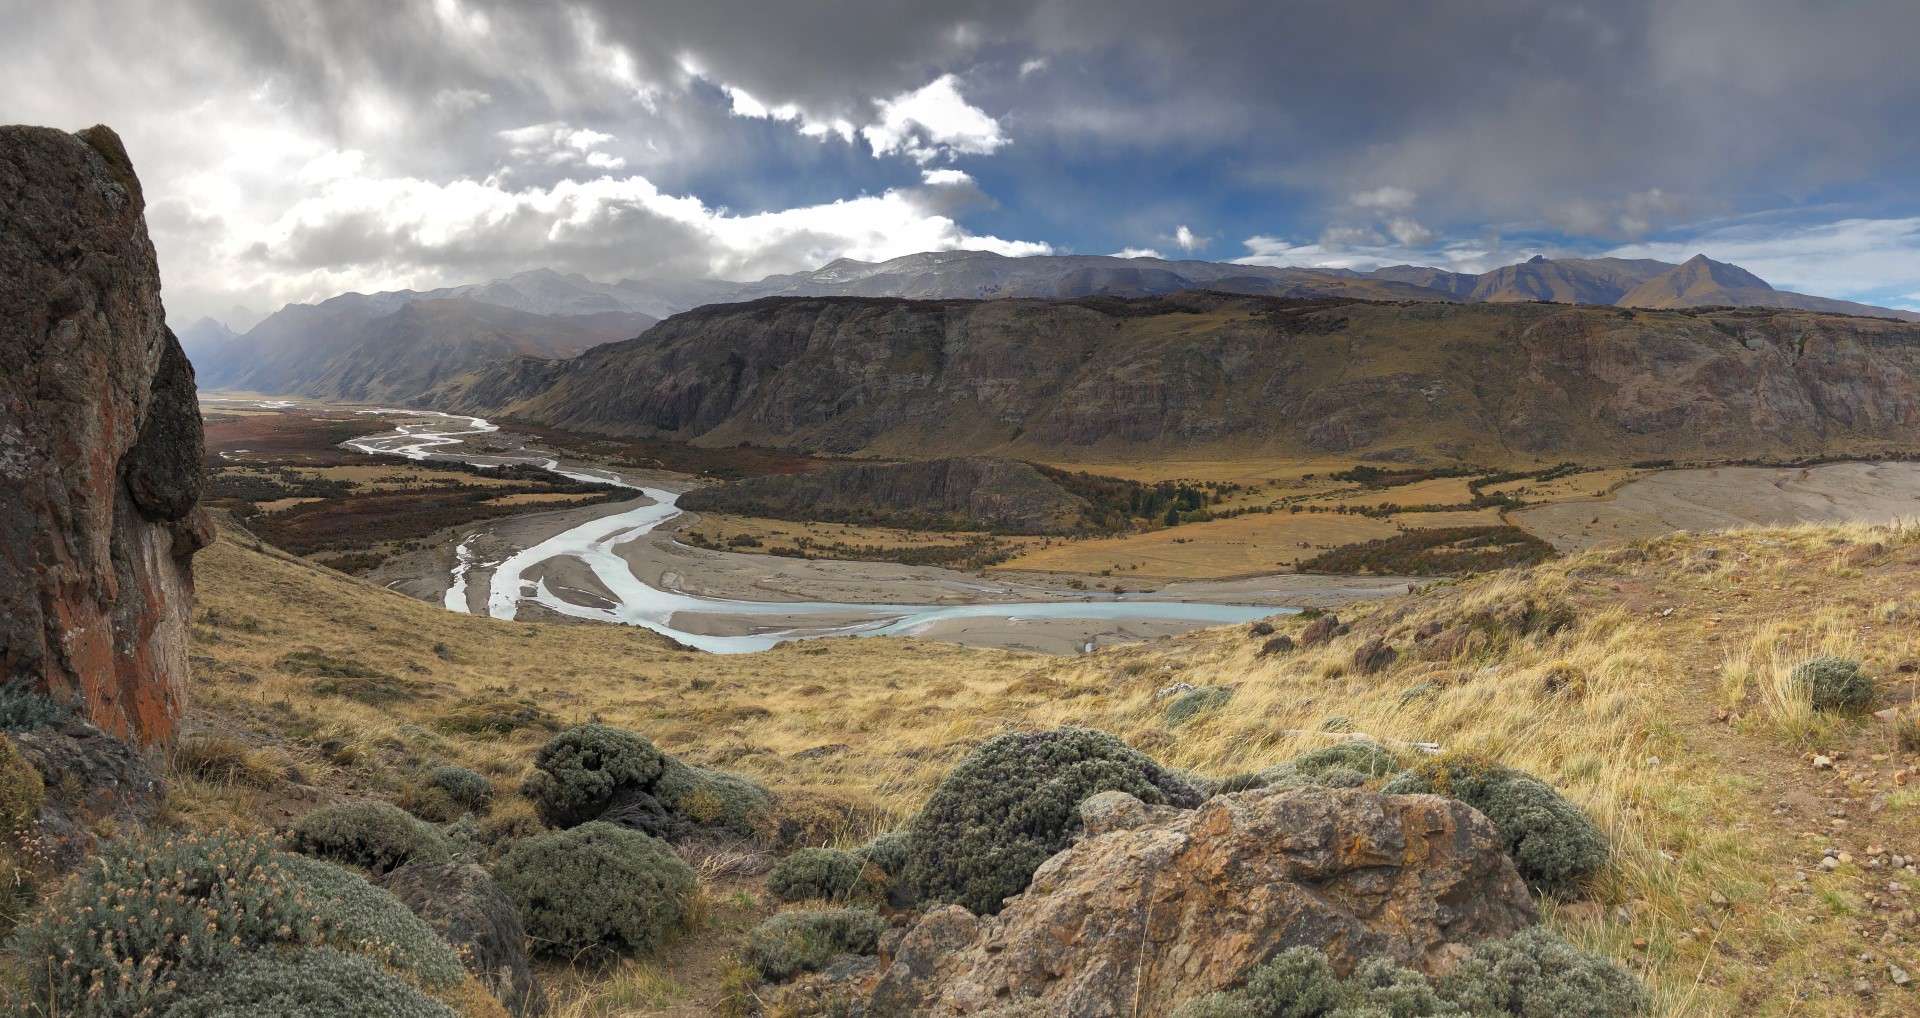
1898	975
1822	763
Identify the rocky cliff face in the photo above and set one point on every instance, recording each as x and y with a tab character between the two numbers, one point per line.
1101	377
100	439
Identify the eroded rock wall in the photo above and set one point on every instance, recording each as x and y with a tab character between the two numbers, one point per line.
100	439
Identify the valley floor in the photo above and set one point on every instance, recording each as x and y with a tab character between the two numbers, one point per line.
1663	711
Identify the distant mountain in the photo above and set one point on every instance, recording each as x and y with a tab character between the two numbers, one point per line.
397	344
941	275
294	350
373	348
1703	282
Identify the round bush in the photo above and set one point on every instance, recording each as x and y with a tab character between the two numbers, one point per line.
367	920
150	911
1554	845
596	889
805	940
712	799
1532	975
1836	684
577	772
1535	974
1195	702
1012	803
377	835
826	874
888	852
318	981
469	788
594	772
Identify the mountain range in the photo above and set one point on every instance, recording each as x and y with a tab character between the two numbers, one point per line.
399	344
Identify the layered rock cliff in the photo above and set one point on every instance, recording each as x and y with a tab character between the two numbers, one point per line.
1095	378
961	493
100	440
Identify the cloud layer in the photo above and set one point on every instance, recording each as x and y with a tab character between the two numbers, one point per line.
295	147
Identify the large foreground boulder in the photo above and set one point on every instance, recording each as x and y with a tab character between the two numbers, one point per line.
100	440
1156	906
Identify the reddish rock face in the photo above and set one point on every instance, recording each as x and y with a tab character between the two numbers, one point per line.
100	440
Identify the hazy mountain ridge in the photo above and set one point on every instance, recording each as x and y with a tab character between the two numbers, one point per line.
295	349
1093	377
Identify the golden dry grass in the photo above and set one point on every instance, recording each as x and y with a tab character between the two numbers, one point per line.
1669	741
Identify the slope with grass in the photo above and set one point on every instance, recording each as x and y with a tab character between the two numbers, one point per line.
1650	684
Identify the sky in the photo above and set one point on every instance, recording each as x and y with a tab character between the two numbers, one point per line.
295	149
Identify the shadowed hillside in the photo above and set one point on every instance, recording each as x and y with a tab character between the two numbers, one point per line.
1500	384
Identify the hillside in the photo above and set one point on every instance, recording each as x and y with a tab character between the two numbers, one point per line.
361	349
1078	380
1658	712
966	493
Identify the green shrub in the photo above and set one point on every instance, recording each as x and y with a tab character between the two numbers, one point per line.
1535	974
1194	702
577	772
469	788
596	889
713	799
363	919
805	940
888	852
23	708
317	981
152	910
594	772
826	874
1554	845
1012	803
1348	764
1532	975
1836	684
376	835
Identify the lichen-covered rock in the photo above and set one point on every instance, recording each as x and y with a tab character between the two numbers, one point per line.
1376	655
470	912
100	440
1146	916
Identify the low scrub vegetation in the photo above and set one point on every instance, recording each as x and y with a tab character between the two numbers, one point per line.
1443	551
805	940
596	890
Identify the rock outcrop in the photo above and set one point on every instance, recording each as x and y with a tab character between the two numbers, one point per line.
1156	906
90	777
100	440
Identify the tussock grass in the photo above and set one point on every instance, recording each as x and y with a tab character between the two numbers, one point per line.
1673	729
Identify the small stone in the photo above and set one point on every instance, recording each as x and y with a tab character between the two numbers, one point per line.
1898	975
1640	943
1863	988
1718	899
1653	761
1800	875
1846	858
1822	763
1829	863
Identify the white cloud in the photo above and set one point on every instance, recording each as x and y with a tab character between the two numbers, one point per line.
1363	250
1869	260
1407	232
1136	252
557	144
1034	66
931	121
1389	198
1187	241
359	232
745	105
944	176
